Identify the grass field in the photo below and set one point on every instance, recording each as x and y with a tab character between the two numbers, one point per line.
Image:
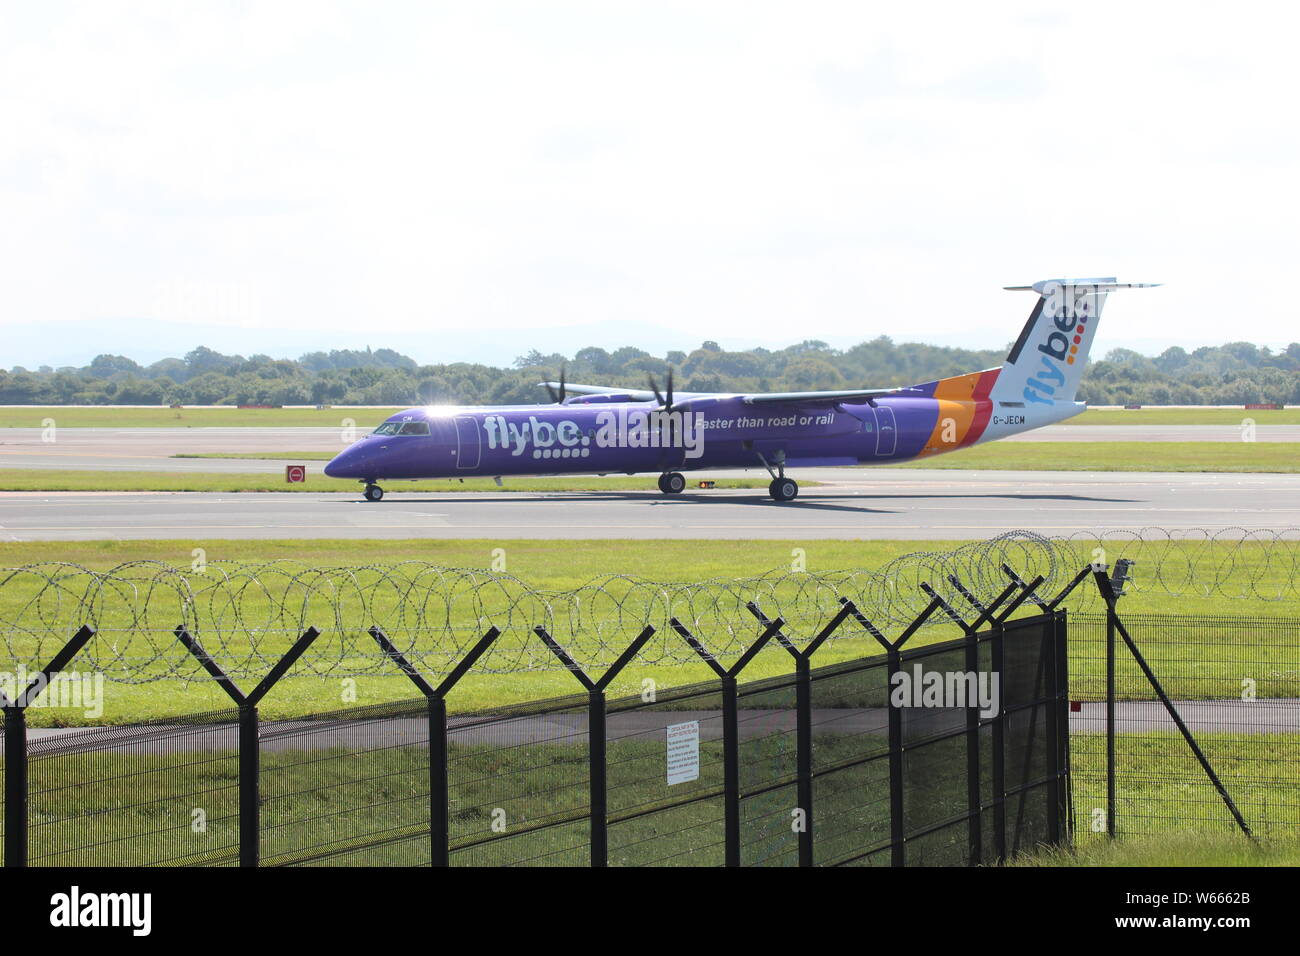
110	417
1162	788
535	564
1186	416
368	804
37	480
1037	456
265	455
13	416
1201	456
1176	848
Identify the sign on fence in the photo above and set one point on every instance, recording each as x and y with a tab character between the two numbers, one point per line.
683	752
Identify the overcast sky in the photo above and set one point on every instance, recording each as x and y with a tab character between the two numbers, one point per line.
470	180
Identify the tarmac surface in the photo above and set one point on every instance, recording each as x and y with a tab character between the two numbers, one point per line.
153	449
1267	716
852	504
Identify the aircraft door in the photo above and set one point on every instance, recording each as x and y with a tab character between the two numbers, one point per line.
467	442
886	431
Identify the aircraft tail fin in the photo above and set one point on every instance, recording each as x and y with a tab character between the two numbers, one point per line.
1046	363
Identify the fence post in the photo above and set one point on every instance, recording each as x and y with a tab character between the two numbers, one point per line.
250	797
436	705
1057	717
893	663
16	786
1110	721
803	718
598	765
974	799
730	729
439	785
247	743
803	754
897	832
1109	595
997	648
250	791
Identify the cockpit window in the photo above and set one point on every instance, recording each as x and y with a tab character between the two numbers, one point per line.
402	428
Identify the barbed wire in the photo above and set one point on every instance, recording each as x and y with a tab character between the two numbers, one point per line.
248	614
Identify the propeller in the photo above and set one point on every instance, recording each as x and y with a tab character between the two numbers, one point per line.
665	404
558	397
654	387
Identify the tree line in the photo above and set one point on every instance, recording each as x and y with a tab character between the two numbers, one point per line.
1235	373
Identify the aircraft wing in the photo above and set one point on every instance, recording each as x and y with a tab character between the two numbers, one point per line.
757	398
819	398
636	394
633	394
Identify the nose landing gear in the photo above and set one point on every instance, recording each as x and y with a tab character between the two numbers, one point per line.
373	492
781	488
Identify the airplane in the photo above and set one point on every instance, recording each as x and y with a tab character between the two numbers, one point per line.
595	429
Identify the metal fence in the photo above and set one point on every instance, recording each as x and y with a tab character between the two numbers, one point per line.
1170	723
821	766
1234	683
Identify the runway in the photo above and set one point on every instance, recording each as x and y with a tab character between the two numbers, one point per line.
153	449
853	504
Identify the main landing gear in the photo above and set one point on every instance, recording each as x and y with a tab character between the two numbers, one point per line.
672	483
781	488
373	492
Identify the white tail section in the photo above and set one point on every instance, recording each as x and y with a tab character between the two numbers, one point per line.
1047	361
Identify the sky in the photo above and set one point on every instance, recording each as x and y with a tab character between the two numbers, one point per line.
468	181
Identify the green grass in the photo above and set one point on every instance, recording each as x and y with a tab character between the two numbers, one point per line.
161	417
52	480
1162	788
1186	416
1169	814
1192	848
138	809
264	455
1199	456
563	569
368	804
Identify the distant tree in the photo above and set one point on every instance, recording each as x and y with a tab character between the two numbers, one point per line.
1233	373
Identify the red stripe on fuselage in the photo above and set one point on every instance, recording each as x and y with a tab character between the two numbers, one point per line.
983	407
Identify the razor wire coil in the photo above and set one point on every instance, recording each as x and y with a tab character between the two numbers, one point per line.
246	615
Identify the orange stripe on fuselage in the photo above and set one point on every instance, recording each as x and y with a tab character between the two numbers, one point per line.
964	411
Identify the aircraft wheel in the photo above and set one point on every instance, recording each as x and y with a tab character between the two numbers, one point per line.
783	489
672	483
374	493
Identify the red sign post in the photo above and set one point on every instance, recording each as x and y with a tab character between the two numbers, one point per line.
293	473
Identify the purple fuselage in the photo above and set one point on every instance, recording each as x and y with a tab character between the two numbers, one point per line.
589	436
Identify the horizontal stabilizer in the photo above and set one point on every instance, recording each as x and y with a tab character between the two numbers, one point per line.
1045	286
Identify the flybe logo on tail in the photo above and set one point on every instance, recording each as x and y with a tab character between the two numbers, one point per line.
1069	306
